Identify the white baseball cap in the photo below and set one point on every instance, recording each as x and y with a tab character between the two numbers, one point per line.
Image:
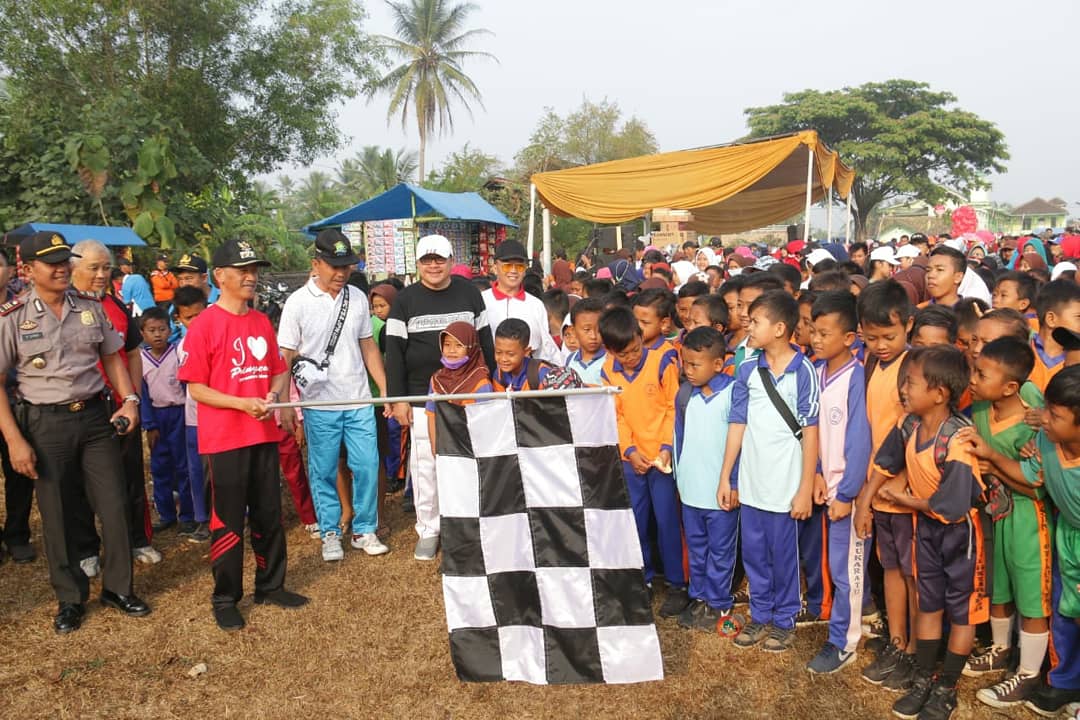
885	254
434	245
908	251
817	255
1060	268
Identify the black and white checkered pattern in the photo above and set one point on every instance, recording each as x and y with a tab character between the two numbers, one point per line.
542	570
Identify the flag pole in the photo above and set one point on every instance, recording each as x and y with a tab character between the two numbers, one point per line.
532	219
416	399
809	192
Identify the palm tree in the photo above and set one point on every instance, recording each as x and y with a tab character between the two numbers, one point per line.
383	170
432	43
316	197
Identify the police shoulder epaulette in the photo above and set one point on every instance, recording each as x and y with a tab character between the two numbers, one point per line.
9	307
87	296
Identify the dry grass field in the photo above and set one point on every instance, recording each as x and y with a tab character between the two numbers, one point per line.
372	644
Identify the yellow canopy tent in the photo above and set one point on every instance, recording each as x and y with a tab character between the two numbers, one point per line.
729	188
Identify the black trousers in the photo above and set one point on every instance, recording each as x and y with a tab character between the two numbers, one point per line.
18	500
78	456
131	462
245	479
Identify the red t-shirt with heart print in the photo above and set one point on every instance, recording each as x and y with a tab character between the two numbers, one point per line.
237	355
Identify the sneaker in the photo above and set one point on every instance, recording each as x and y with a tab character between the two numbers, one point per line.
201	534
312	529
1013	690
779	640
940	704
876	644
228	618
369	543
883	665
709	619
688	617
875	626
146	554
161	525
22	554
829	660
903	674
911	704
186	528
1050	701
91	566
751	635
805	617
426	548
741	596
995	659
331	547
675	601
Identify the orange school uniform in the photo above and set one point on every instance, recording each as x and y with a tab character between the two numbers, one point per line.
645	409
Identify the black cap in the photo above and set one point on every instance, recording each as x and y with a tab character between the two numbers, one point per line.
918	238
46	246
1066	338
189	263
333	248
237	253
511	250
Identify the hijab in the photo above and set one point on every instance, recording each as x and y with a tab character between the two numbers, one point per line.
563	274
450	380
625	275
386	291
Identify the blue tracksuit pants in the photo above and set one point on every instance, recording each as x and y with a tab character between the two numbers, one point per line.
168	464
848	557
711	546
196	478
654	494
770	545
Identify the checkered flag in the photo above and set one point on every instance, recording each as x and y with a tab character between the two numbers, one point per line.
542	571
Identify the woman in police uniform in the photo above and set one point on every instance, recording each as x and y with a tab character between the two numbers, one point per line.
61	433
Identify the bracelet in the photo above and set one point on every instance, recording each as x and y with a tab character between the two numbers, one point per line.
132	398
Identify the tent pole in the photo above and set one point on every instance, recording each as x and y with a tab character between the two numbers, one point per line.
546	260
847	224
532	219
809	193
828	216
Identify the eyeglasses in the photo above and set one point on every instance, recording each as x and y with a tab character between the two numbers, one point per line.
509	265
432	260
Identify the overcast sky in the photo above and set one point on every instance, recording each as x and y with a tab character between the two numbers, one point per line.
690	68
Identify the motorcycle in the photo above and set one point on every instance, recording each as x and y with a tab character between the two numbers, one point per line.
270	299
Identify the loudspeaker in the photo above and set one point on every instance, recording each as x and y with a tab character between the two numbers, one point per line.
792	233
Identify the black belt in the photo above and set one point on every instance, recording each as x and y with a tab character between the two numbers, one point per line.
75	406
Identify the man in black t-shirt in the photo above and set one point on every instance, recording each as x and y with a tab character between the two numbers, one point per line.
419	314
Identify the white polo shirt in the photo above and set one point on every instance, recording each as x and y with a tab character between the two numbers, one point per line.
306	323
524	307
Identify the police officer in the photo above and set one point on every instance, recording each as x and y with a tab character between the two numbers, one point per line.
61	433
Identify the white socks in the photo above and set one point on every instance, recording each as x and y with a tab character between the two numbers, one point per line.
1032	651
1001	629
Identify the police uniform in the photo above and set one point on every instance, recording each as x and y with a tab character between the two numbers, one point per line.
64	414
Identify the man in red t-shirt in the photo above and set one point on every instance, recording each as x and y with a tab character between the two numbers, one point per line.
233	368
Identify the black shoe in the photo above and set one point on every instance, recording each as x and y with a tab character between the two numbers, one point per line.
22	554
69	618
911	704
675	602
903	674
200	534
407	505
940	704
186	528
163	525
394	485
281	598
127	604
688	617
875	644
1050	701
228	618
883	665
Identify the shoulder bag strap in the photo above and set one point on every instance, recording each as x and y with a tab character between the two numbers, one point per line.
335	333
778	403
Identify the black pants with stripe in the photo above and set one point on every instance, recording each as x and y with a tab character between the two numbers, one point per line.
245	480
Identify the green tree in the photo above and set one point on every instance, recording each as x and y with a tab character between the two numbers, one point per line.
903	139
467	170
234	87
318	197
432	44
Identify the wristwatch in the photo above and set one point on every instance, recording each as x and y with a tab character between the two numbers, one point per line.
132	398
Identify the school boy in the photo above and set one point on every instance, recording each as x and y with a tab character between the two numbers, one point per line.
702	408
1058	305
687	294
709	311
654	309
944	490
188	303
1017	290
773	433
944	273
753	287
645	415
934	325
1022	527
1056	469
515	368
162	411
588	360
844	443
885	318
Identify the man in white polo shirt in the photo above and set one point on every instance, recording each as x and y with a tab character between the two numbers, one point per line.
326	338
506	298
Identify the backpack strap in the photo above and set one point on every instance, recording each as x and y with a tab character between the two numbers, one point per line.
532	372
682	399
868	368
941	443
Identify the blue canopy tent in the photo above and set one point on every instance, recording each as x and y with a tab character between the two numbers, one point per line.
408	201
106	235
